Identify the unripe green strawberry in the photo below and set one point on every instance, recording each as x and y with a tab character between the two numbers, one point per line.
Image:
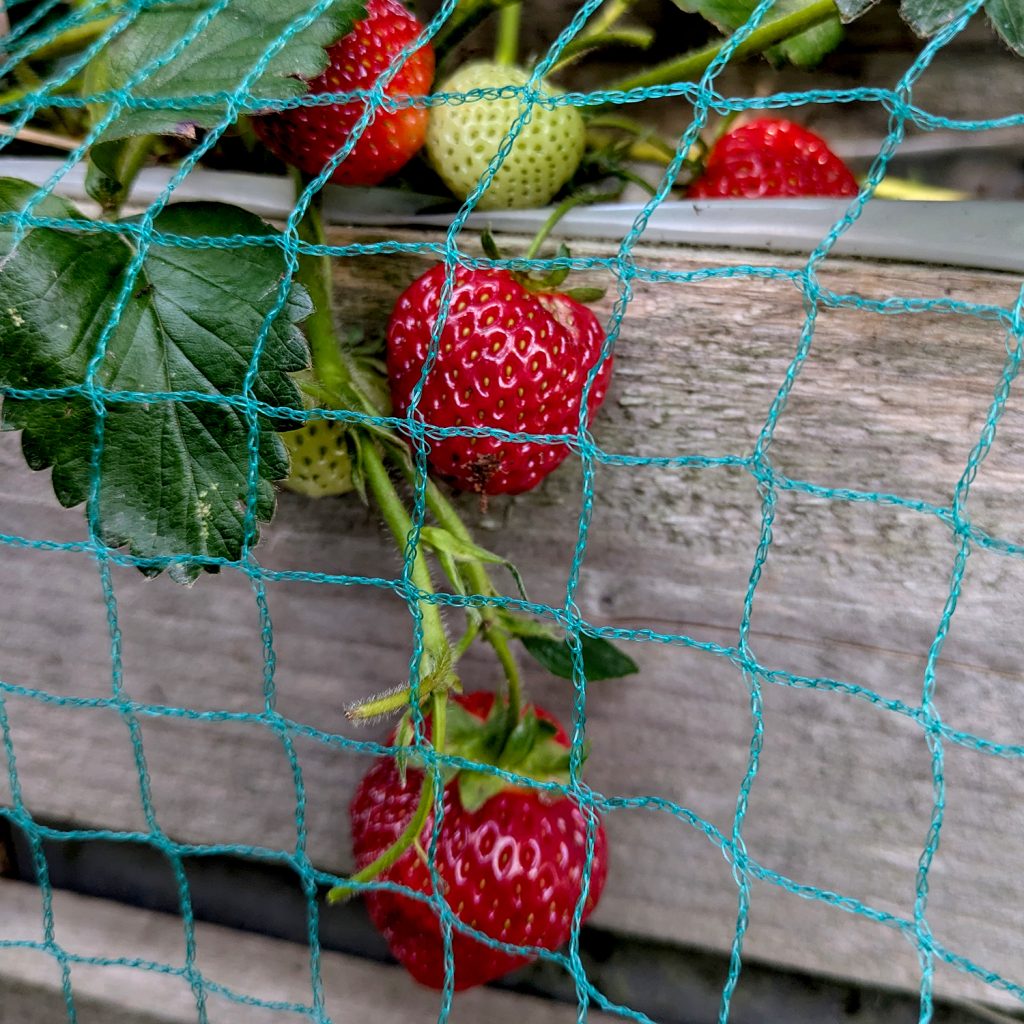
462	138
321	465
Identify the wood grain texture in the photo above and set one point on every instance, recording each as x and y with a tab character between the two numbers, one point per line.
353	990
850	590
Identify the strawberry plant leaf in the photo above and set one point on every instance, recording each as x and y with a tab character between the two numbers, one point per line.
851	9
216	61
601	658
804	49
173	474
1008	18
928	16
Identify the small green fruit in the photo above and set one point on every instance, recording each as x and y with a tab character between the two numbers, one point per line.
462	139
321	465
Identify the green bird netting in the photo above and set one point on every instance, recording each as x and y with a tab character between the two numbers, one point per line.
100	403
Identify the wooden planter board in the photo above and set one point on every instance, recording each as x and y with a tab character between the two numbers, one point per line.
851	591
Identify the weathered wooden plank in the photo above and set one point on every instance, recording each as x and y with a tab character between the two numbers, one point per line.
850	590
251	966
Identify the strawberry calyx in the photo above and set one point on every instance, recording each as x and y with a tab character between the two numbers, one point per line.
479	731
543	282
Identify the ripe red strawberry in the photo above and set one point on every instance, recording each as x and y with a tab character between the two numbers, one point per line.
772	157
510	358
511	868
307	137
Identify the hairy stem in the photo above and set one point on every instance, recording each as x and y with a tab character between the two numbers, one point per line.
691	65
397	518
412	830
315	275
577	199
479	581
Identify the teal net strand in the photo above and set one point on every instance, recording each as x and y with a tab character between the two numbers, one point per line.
913	925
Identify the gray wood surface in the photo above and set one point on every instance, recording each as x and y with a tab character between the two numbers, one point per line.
354	990
851	591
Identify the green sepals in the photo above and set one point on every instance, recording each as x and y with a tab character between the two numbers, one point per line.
524	737
463	551
476	788
529	750
489	245
555	277
216	60
584	294
174	475
601	658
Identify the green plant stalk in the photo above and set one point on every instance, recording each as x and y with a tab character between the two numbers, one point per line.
638	38
577	199
691	65
468	15
435	640
637	130
479	581
314	275
610	14
412	831
506	47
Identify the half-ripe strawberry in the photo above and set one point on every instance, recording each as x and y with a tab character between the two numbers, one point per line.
462	139
511	868
307	137
510	359
772	157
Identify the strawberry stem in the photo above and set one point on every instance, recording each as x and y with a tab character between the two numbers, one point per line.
435	640
315	276
506	47
412	831
577	199
601	32
479	581
691	65
468	15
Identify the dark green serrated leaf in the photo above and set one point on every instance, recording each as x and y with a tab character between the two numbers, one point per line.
805	49
1008	19
217	60
601	659
174	475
